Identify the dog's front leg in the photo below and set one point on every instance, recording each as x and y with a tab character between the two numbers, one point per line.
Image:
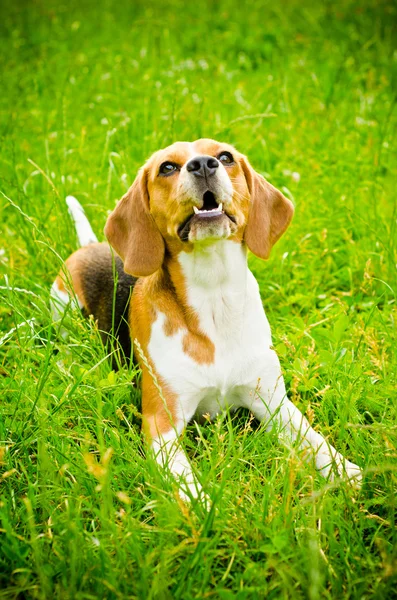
269	403
169	455
162	427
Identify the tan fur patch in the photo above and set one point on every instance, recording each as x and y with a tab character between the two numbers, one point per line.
158	414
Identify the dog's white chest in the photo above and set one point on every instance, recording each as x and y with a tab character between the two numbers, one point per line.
225	296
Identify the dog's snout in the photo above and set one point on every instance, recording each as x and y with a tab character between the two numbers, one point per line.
202	166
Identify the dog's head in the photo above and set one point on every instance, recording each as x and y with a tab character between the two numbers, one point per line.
195	193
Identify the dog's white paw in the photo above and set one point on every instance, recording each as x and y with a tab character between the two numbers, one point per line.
346	470
351	472
333	465
195	492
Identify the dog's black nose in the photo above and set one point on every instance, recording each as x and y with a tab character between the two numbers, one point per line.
203	166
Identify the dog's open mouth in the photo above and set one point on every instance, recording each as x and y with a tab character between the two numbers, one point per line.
210	205
209	211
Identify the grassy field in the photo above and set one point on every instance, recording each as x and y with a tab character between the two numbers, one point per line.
306	90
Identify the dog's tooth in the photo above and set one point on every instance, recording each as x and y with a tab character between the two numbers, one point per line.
220	207
196	210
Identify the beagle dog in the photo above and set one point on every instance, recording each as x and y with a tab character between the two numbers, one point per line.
186	302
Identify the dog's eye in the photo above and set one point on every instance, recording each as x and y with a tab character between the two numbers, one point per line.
226	158
167	168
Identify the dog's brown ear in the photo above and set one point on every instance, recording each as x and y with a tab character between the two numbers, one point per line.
133	233
269	214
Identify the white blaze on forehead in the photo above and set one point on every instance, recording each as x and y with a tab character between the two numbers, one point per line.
192	151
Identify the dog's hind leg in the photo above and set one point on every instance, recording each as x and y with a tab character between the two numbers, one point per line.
60	301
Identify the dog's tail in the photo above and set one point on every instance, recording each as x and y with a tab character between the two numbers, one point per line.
84	230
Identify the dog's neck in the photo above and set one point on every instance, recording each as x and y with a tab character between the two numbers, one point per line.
212	266
211	280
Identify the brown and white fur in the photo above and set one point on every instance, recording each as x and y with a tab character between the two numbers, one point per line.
195	309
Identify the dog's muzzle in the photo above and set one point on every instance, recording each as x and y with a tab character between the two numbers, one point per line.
210	213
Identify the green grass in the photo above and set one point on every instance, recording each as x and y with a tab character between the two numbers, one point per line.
89	90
